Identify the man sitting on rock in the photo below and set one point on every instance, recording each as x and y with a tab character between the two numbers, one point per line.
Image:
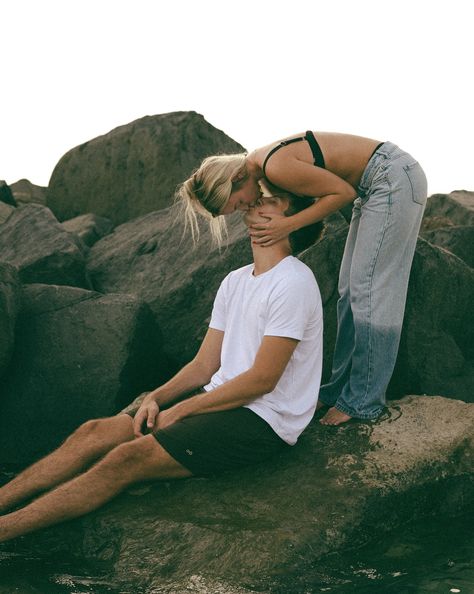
259	366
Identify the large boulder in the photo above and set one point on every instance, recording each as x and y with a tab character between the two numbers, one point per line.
151	257
78	355
6	195
336	488
34	241
9	303
6	210
134	169
89	228
25	192
436	354
444	210
458	239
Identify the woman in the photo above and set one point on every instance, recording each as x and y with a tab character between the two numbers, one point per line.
388	190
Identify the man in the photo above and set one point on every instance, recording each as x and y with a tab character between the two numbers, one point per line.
260	365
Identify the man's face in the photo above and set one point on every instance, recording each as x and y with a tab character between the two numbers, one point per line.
265	205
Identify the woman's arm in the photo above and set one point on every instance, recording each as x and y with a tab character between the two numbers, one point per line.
305	179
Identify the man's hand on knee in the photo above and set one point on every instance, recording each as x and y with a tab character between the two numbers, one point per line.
146	418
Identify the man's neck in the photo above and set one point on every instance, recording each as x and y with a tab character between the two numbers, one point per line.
265	258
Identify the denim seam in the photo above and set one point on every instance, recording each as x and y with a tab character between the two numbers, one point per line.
387	218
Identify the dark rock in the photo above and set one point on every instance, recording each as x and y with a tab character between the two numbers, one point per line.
150	257
134	169
9	303
32	240
459	240
436	355
336	488
78	355
25	192
6	195
456	208
89	228
5	211
324	259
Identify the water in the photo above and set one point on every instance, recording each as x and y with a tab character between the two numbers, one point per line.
431	556
434	556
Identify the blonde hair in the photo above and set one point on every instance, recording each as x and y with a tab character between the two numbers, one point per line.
207	192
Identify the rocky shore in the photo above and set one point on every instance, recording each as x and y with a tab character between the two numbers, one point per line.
103	297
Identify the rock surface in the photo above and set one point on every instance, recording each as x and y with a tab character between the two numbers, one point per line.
337	487
9	303
32	240
456	208
459	240
25	192
6	195
78	355
89	228
134	169
150	257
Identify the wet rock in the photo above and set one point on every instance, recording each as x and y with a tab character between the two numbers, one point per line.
32	240
337	487
134	169
9	303
78	355
89	228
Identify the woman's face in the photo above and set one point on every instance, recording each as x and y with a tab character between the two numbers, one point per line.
245	192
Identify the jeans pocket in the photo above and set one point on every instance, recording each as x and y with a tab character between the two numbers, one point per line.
417	180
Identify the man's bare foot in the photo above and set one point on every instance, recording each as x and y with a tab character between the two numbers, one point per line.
334	417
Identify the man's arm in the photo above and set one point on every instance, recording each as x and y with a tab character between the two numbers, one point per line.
270	363
195	374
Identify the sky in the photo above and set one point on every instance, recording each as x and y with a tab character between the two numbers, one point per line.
259	70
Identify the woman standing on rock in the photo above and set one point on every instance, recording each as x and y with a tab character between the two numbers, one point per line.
388	190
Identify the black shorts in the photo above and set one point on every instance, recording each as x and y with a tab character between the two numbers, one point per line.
213	442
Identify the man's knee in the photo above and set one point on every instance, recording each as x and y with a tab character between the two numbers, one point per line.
144	459
96	429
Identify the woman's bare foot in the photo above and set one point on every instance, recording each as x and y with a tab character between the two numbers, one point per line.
334	417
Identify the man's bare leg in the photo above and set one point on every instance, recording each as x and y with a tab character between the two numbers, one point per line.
334	417
88	443
138	460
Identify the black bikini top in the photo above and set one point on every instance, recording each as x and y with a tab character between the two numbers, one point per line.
313	143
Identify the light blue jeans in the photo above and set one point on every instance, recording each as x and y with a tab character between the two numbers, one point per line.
373	281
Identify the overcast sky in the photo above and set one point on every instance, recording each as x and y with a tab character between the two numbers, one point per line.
397	70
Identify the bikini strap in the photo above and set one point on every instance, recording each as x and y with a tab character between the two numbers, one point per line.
279	146
315	149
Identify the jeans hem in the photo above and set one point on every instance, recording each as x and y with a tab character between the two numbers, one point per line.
364	416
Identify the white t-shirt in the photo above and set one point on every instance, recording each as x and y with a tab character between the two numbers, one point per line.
284	301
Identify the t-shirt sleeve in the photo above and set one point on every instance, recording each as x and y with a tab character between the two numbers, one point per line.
289	310
218	317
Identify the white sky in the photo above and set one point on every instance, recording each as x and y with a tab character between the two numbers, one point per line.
398	70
